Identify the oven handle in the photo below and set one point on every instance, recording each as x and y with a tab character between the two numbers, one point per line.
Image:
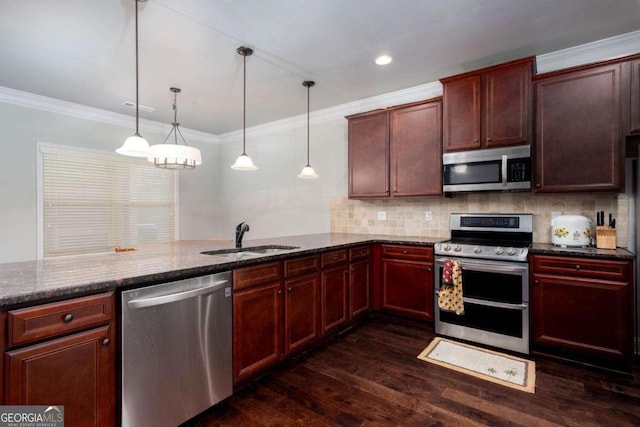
521	307
501	268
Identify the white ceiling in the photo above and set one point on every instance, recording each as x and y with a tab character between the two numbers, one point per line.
83	50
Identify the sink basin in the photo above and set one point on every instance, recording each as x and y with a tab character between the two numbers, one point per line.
251	251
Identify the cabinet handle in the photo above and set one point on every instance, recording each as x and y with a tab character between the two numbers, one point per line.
279	291
404	252
488	139
289	289
538	185
105	342
577	266
68	318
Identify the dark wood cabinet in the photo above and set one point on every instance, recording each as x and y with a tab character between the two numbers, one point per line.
64	353
396	152
416	150
634	97
301	303
407	280
359	281
335	290
257	319
583	308
578	137
369	155
488	108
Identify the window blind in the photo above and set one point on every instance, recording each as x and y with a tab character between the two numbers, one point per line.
93	202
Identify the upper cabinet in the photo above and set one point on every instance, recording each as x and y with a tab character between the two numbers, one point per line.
578	138
488	108
634	94
396	152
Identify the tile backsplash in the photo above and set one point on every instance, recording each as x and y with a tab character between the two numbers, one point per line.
407	217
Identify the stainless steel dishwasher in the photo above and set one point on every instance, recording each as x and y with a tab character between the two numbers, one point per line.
176	350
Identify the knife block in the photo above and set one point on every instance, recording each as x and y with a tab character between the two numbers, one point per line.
605	237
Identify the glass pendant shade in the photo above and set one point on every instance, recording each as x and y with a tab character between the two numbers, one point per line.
134	146
308	173
244	163
172	156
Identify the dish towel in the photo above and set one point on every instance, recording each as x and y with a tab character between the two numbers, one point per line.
450	294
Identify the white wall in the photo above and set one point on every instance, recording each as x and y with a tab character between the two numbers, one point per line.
21	128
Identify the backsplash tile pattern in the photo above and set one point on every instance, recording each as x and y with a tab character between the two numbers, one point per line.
406	217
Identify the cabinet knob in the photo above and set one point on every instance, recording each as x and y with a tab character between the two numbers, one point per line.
428	268
488	139
538	185
335	258
68	318
404	252
475	139
577	266
105	342
289	289
536	282
279	292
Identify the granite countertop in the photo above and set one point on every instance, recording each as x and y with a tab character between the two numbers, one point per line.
38	281
591	252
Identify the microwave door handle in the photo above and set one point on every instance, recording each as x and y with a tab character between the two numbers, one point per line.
504	170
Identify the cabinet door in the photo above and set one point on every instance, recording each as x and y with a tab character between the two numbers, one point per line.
76	371
301	311
416	150
634	122
407	287
578	131
507	106
335	297
589	316
461	121
359	287
369	155
257	329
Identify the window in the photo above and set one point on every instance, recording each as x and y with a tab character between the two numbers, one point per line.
94	202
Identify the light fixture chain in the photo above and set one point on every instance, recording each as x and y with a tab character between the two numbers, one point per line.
308	108
137	83
244	105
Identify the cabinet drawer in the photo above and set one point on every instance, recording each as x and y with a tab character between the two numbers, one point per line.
257	275
360	252
59	318
330	259
581	267
298	266
407	252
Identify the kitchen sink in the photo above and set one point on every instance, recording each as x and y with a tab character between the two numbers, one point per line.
250	251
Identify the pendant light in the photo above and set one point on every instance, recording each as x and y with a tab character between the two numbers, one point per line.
175	156
135	145
244	162
308	172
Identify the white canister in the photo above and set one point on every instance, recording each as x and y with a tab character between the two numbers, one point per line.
571	230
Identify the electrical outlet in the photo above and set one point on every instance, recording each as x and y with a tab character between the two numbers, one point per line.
428	216
382	215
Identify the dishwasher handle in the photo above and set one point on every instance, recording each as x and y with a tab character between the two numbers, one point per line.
178	296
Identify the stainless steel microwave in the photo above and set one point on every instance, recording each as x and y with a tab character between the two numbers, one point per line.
493	169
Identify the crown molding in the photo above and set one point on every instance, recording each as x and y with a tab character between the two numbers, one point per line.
600	50
44	103
413	94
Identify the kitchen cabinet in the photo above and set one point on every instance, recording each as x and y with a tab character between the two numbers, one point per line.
407	280
634	97
488	108
583	308
302	302
578	137
335	290
63	353
359	281
257	319
396	152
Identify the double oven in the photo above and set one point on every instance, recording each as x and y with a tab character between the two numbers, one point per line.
491	250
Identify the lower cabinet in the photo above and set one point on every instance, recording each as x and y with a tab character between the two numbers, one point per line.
407	280
335	290
63	353
359	281
583	308
301	303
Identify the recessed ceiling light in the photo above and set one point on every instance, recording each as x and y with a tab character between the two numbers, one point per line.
383	60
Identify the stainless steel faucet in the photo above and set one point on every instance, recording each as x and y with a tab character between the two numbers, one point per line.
241	228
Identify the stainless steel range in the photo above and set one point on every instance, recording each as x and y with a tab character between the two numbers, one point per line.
491	250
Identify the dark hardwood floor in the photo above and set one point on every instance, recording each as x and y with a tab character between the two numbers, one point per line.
371	377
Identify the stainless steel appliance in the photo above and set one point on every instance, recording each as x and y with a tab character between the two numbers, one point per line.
492	251
494	169
176	350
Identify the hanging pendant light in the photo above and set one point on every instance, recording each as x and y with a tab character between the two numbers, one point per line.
175	156
244	162
308	172
135	145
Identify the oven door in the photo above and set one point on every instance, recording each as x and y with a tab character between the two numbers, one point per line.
496	304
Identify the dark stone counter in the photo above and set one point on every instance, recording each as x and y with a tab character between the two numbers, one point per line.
589	252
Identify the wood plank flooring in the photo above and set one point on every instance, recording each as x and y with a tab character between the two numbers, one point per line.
371	377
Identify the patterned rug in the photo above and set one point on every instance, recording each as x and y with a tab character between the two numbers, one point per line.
489	365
